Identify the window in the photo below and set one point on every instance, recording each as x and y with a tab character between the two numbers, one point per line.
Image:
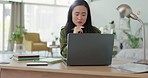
42	16
4	25
45	20
62	2
40	1
54	2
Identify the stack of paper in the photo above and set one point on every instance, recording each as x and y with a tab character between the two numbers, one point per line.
132	68
51	60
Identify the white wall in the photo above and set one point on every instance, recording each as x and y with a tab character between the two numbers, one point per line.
104	11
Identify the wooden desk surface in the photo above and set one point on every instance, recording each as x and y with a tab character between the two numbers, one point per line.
18	69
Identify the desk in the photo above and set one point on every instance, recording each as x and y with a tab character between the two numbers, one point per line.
19	70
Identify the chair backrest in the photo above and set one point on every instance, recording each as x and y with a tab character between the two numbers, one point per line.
32	37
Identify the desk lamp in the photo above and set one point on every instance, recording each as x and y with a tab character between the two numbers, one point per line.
126	11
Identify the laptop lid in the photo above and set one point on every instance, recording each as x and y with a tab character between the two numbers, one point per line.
90	49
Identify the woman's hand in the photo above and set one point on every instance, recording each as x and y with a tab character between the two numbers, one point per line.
78	29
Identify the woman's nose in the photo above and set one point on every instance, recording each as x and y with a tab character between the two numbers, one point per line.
79	17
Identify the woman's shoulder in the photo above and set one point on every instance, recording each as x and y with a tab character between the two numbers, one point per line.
62	29
96	29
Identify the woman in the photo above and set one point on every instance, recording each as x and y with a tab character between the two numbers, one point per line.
79	21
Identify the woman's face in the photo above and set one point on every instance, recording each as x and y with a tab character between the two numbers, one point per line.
79	15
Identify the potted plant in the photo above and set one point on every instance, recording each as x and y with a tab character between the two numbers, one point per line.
55	38
133	40
17	36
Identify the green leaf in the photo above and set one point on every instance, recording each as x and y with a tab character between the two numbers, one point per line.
18	34
133	41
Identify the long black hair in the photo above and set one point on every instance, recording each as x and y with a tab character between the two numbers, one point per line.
70	25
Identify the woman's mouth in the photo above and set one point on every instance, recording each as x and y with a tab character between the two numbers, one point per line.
79	22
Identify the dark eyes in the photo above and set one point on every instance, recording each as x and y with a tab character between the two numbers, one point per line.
83	14
77	14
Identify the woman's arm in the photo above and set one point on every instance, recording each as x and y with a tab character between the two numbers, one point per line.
63	43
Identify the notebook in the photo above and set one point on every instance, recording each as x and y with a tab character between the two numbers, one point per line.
89	49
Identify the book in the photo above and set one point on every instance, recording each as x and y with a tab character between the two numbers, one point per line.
132	68
4	62
25	55
26	58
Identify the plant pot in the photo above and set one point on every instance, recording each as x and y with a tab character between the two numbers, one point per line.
53	43
20	42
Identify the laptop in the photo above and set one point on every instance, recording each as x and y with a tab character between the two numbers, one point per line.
89	49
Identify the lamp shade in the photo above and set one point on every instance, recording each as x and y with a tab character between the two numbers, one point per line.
126	11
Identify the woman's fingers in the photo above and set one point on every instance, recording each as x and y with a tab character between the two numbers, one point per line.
78	29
